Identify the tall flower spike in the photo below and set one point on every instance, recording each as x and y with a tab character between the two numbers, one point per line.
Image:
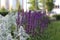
18	17
18	22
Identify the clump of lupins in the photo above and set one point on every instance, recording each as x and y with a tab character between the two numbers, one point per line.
34	21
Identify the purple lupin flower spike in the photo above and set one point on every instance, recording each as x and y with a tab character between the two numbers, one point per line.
18	19
35	22
18	22
22	12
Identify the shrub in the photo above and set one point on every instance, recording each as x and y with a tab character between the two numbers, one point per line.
57	17
3	12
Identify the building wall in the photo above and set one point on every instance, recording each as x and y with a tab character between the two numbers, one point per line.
10	4
3	3
6	4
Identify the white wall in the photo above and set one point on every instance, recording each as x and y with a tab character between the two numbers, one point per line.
3	3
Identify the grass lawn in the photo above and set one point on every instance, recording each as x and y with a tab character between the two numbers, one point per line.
53	31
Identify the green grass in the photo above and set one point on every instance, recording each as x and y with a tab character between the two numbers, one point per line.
53	31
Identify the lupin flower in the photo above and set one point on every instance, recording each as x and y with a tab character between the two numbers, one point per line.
18	17
34	20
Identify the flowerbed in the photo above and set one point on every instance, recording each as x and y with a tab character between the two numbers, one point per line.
35	23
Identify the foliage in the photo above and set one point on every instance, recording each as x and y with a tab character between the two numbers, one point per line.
7	26
33	5
57	17
3	13
13	28
53	31
3	10
49	4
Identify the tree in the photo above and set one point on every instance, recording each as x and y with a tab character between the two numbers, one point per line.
48	4
34	5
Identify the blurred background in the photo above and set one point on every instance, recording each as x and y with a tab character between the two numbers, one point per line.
11	4
41	15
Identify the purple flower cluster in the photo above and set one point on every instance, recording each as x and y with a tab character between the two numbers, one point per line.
34	20
18	19
19	15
